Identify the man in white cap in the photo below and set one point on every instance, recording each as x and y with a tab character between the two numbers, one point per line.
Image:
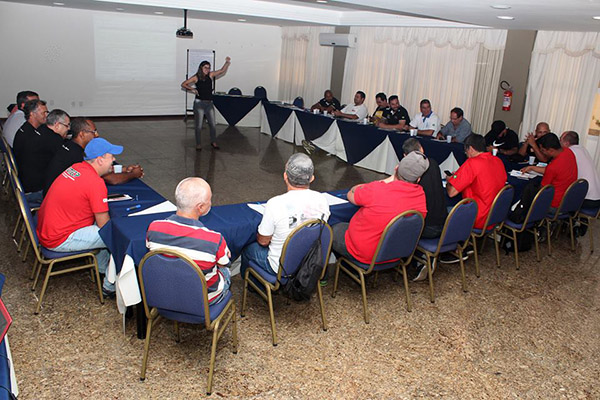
76	206
379	202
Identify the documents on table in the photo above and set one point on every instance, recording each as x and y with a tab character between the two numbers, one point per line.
259	208
524	175
165	206
118	197
334	200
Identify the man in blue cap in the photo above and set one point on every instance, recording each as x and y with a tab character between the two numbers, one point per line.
76	206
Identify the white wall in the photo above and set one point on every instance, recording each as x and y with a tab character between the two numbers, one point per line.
109	64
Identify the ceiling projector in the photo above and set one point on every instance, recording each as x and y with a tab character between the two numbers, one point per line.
184	33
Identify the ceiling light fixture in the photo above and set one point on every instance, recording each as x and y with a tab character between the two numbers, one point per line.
501	7
59	4
597	17
241	19
505	17
158	12
322	1
119	9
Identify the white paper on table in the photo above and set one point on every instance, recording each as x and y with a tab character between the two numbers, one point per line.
165	206
521	175
333	200
259	208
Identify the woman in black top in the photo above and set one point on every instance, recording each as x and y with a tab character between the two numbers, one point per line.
201	84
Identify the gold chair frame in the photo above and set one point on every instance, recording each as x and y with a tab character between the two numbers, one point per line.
548	221
216	326
427	255
588	222
267	295
40	261
488	233
523	228
359	276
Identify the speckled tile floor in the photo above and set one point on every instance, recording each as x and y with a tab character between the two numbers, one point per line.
532	333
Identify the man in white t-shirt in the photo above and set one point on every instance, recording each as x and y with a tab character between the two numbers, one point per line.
354	111
285	212
17	118
586	168
426	122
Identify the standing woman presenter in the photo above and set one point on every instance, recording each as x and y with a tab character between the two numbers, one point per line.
201	84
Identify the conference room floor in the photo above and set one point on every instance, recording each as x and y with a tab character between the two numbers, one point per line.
531	333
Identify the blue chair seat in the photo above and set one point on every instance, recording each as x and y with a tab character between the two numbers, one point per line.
517	226
51	254
214	310
432	244
590	212
272	279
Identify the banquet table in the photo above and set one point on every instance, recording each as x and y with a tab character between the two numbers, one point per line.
237	110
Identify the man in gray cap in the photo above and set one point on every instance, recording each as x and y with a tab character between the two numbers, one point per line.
285	212
379	202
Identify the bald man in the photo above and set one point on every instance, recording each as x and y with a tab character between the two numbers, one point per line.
183	232
530	146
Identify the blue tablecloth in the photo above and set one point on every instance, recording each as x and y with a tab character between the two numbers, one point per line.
276	116
234	108
141	194
4	372
313	125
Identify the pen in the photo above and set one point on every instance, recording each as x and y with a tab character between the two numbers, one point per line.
133	207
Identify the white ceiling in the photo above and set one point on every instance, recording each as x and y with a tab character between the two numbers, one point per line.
569	15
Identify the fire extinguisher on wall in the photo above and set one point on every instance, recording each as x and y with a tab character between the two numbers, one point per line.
507	95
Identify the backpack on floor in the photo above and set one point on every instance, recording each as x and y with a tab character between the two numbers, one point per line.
301	285
524	241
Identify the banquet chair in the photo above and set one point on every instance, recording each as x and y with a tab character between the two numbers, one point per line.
587	216
533	219
454	238
568	209
174	287
394	250
235	91
260	92
295	247
495	219
299	102
54	259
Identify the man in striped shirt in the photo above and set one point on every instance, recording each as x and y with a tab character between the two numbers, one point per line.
183	232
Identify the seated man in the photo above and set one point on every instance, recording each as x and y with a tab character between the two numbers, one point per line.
54	133
458	127
17	118
395	116
562	169
327	103
285	212
379	202
426	122
502	138
76	207
183	232
586	168
71	152
354	111
481	177
28	147
382	104
530	146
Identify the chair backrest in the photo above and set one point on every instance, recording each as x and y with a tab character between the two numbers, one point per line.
573	197
500	207
299	242
235	91
171	281
299	102
30	224
540	205
399	238
9	153
260	92
459	224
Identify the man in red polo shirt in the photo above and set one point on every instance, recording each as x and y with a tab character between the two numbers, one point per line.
379	202
562	170
481	177
76	206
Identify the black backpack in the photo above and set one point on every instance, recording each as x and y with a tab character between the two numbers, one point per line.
302	285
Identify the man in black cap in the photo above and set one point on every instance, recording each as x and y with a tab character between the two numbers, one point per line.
502	138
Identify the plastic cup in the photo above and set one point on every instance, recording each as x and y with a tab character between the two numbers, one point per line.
117	168
448	139
325	112
495	151
413	132
531	160
316	111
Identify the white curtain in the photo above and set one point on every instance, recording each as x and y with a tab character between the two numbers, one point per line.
487	76
305	65
416	63
563	81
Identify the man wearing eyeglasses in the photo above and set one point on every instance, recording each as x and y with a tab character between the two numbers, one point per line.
72	152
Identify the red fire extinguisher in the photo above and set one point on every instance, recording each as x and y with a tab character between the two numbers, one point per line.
507	96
